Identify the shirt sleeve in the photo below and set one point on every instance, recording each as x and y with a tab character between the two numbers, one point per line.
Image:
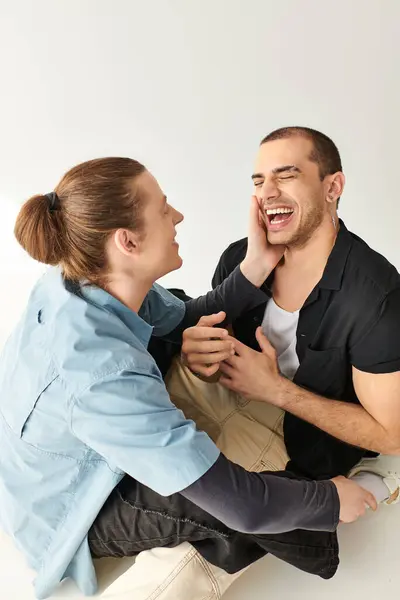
221	271
234	295
259	503
128	418
378	351
162	310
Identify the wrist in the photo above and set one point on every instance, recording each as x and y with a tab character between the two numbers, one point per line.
279	392
255	271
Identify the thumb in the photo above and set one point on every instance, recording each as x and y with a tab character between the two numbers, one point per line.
211	320
263	342
370	500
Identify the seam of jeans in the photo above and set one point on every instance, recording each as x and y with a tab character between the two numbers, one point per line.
191	554
161	543
123	542
103	544
171	518
261	458
273	431
262	455
214	582
234	412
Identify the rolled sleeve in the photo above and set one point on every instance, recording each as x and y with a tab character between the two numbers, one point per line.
162	310
128	418
379	349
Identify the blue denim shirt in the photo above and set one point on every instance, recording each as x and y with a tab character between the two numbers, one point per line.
82	403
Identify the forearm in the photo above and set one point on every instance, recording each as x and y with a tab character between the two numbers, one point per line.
350	423
264	502
237	294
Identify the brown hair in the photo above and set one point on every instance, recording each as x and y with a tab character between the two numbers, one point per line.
92	200
324	152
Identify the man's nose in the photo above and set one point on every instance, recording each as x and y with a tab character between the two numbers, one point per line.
269	191
178	217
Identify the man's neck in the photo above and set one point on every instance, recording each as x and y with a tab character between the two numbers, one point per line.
313	255
129	291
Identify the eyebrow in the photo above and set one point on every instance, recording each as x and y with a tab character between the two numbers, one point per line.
278	170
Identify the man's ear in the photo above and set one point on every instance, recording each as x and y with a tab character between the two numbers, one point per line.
127	242
335	187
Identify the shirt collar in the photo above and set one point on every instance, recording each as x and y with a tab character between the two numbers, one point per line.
333	273
132	320
334	270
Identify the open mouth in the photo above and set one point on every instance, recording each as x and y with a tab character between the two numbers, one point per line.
277	218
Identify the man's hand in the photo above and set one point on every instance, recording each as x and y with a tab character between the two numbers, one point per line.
353	499
205	346
261	257
253	374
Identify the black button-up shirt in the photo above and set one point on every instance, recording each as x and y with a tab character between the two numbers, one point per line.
351	318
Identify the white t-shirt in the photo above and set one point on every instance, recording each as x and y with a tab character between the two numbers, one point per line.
280	327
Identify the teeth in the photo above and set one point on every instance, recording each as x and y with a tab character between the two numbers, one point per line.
278	211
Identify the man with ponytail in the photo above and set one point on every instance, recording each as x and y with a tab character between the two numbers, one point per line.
95	458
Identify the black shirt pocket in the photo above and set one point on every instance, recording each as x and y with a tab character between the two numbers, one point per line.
323	371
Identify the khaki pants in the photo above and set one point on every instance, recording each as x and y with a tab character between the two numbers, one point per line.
248	433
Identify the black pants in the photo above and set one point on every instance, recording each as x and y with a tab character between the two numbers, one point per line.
136	518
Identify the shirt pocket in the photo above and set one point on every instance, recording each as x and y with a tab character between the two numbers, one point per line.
323	371
24	393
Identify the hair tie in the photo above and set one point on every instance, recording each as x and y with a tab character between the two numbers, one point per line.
53	200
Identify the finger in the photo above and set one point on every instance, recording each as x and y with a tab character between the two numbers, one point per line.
209	358
226	382
210	320
254	215
232	361
260	217
240	348
203	346
226	369
203	370
205	333
370	500
261	221
264	343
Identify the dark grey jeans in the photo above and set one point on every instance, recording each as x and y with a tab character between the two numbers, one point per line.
136	518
